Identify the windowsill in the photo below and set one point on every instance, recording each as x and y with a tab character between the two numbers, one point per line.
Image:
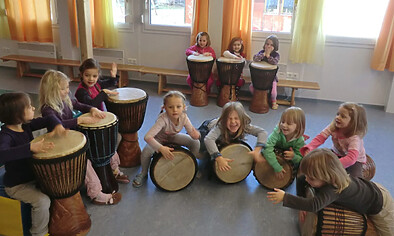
163	29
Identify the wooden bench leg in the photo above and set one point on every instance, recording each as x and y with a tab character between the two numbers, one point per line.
123	79
20	68
292	102
162	83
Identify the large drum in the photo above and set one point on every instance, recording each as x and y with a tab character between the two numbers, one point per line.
60	173
129	106
102	137
240	167
335	220
174	175
262	75
229	71
265	174
200	69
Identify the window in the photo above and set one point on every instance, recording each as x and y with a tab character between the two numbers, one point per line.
171	12
121	11
272	15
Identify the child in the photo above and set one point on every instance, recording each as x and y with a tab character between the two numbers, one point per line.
16	150
326	174
92	91
347	131
232	125
235	50
269	54
55	100
202	46
287	136
166	130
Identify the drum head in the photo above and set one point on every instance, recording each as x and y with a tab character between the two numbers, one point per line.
64	145
176	174
263	65
265	174
230	60
127	95
109	119
199	58
240	167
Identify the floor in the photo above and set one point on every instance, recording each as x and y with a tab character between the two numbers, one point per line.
208	207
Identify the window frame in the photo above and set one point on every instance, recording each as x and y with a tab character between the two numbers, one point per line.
129	22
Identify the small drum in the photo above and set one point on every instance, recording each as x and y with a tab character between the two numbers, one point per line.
265	174
102	138
335	220
262	75
200	69
369	168
240	167
129	106
60	173
174	175
229	71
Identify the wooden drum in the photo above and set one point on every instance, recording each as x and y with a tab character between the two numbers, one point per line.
229	71
240	167
102	138
174	175
262	75
60	173
369	168
200	69
265	174
129	106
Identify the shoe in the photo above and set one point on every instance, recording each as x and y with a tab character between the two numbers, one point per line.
274	106
137	181
115	199
122	178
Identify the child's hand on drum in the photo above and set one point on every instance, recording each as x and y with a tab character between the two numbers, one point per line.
110	92
277	196
196	53
280	174
59	130
207	54
41	146
87	120
97	113
114	70
167	152
289	155
301	216
223	163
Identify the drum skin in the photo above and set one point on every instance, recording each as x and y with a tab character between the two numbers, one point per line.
174	175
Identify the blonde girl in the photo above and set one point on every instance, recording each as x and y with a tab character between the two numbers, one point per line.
55	100
166	130
347	131
288	137
233	124
324	171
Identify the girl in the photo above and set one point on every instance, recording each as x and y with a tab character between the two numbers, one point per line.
17	114
92	91
232	125
202	47
235	51
347	131
55	100
288	136
269	54
326	174
166	130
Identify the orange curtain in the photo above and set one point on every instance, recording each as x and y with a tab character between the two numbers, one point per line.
200	19
237	15
383	57
29	20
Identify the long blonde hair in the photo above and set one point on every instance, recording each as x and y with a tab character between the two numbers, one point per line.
324	165
297	116
358	124
50	91
222	122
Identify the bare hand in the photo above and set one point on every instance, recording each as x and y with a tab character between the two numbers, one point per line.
167	152
41	146
289	155
207	54
97	113
277	196
110	92
256	153
223	163
59	130
259	159
87	120
301	216
280	174
196	53
114	70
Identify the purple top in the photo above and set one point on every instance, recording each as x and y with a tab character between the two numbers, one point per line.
273	59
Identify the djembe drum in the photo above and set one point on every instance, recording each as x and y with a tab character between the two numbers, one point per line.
240	167
335	220
60	173
229	71
102	137
262	75
200	69
129	106
369	168
174	175
265	174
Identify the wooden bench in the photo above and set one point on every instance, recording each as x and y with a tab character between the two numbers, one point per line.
162	76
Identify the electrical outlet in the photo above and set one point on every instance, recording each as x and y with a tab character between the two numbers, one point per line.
132	61
282	74
295	76
292	75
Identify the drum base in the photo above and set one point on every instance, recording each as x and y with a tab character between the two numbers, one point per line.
107	179
227	94
69	217
259	102
199	97
129	150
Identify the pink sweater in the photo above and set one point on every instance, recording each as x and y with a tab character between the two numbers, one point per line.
196	48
